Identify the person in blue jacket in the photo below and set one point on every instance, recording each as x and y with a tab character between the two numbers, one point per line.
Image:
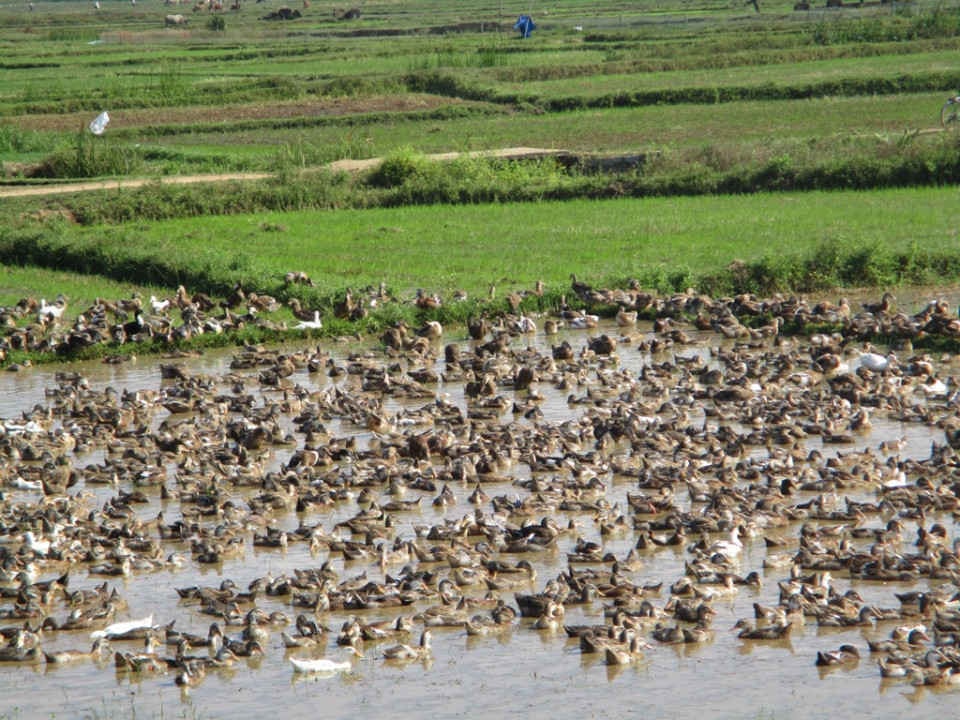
525	25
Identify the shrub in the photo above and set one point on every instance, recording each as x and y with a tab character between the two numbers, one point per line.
397	168
90	156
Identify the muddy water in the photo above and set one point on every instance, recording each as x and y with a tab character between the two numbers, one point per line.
523	672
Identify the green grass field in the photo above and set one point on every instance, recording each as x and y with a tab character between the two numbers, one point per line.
446	248
443	248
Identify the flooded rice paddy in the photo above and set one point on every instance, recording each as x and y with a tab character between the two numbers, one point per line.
700	435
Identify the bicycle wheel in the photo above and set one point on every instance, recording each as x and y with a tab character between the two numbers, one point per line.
950	113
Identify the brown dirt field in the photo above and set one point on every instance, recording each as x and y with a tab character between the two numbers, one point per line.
141	117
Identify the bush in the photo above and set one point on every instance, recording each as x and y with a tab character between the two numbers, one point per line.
397	168
216	23
90	156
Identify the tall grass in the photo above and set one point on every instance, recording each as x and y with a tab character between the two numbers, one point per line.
14	139
906	24
91	156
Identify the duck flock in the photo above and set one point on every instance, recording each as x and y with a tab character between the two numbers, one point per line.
426	490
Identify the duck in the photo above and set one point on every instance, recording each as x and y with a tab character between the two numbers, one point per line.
385	629
625	656
896	667
864	617
20	654
626	318
699	633
748	631
668	634
159	306
552	618
245	648
112	569
300	312
934	387
485	625
98	651
445	616
875	362
126	630
598	640
846	654
212	640
145	662
191	675
912	640
730	548
502	613
582	321
524	325
315	324
427	302
431	329
38	546
887	300
324	666
52	311
301	641
532	605
408	652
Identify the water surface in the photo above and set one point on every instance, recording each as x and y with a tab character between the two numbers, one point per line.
522	672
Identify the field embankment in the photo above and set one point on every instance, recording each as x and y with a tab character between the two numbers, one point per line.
782	241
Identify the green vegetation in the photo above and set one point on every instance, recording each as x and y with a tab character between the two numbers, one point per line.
780	150
805	241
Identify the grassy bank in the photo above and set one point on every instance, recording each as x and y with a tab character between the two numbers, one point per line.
406	177
790	241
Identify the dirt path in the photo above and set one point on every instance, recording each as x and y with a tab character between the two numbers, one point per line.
507	153
339	165
24	191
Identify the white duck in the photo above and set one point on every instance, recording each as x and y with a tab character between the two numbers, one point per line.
314	324
159	306
582	322
525	325
30	427
875	362
120	629
39	546
731	548
323	665
934	387
18	483
55	311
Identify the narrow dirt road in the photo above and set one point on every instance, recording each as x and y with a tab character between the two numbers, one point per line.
126	183
339	165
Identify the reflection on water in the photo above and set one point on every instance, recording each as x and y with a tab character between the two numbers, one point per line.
521	671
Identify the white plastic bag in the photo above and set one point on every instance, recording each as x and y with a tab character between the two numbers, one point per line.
99	123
